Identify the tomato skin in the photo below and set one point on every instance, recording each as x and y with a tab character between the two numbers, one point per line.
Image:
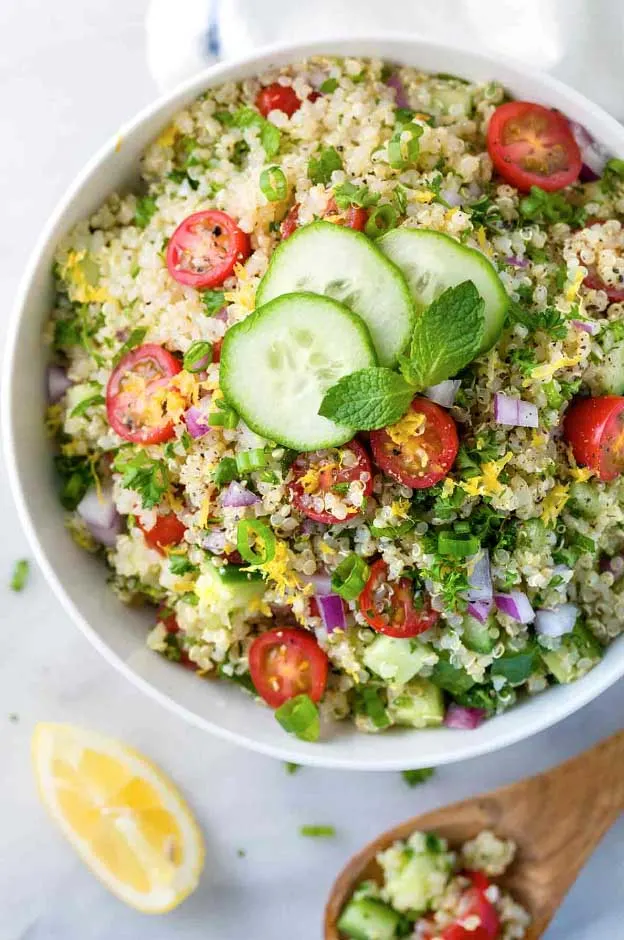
276	97
474	903
520	134
403	620
216	239
290	222
439	440
328	479
354	217
594	428
157	365
167	530
286	662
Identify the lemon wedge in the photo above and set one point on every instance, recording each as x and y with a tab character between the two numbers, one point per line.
124	818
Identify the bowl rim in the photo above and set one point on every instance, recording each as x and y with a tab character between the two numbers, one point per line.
536	719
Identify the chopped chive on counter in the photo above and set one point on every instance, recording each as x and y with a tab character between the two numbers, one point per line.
318	832
414	777
20	575
291	768
241	853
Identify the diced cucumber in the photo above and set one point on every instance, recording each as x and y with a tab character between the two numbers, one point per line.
396	660
432	262
477	635
343	264
579	652
222	591
419	704
278	363
369	919
610	373
453	680
417	879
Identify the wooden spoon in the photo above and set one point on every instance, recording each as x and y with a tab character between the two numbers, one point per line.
556	819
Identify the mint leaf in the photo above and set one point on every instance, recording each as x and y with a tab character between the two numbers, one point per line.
447	336
367	399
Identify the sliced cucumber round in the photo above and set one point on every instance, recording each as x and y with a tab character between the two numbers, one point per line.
432	261
337	262
278	363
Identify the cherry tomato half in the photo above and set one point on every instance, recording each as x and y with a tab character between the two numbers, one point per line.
594	282
419	450
167	530
328	473
594	428
474	904
276	97
533	146
132	381
354	217
286	662
391	607
204	248
290	222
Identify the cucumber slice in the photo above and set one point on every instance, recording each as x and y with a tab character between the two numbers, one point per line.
278	363
337	262
431	262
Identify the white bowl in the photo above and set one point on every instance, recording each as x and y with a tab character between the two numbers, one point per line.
80	581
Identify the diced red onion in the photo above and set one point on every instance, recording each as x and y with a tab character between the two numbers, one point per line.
196	421
443	393
556	622
401	99
516	605
517	262
480	580
307	526
221	314
58	383
451	197
515	412
587	326
331	609
215	542
593	154
320	582
97	511
480	610
462	718
236	495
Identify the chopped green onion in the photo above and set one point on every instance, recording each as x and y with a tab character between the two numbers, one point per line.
404	146
457	547
20	575
316	832
135	339
291	768
268	476
328	86
350	577
300	716
213	300
414	777
83	406
381	220
253	531
225	472
198	356
249	460
270	138
225	418
369	702
273	184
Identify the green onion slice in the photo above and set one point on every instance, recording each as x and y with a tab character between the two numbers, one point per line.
255	541
273	184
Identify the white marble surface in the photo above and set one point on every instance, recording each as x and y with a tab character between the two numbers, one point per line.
58	100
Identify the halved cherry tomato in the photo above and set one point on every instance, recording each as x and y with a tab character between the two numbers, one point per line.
205	247
428	451
322	472
474	904
594	428
594	282
287	662
391	607
354	217
533	146
276	97
167	530
149	366
290	222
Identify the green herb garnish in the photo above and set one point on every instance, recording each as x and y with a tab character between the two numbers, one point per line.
20	575
213	300
348	194
328	86
77	476
414	777
350	577
548	208
320	168
318	832
135	339
226	471
150	478
300	716
145	209
368	399
180	563
83	406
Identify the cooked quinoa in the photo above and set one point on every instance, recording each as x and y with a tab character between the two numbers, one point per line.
551	529
425	889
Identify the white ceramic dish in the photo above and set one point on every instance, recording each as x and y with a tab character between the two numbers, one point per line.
80	581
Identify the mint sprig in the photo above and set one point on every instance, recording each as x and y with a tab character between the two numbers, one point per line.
447	336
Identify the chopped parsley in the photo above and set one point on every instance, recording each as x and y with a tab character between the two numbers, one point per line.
179	563
328	86
136	337
150	478
20	575
414	777
347	194
145	209
548	208
291	768
320	168
77	476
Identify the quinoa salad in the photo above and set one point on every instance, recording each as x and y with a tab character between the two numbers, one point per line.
427	892
338	393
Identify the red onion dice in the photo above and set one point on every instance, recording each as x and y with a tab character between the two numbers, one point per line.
517	262
587	326
556	622
480	610
516	605
332	612
480	579
97	511
443	393
58	383
515	412
215	542
401	99
462	718
196	422
320	582
236	496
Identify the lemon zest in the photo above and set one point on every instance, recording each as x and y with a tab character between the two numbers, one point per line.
487	483
554	502
168	137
